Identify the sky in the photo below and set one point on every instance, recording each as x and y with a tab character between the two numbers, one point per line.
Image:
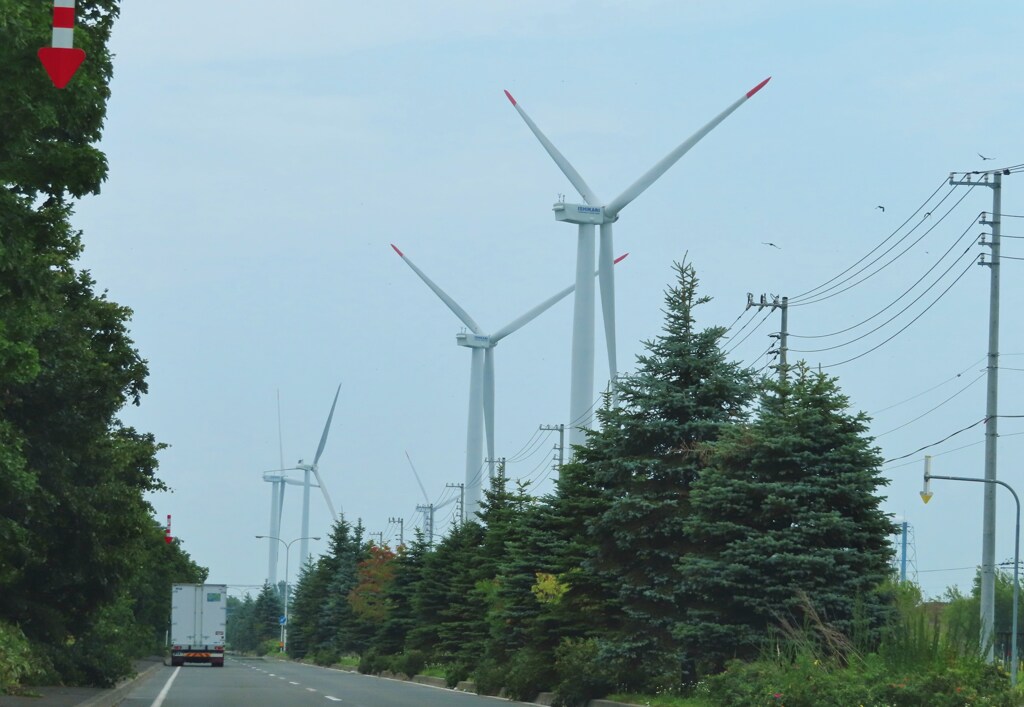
262	159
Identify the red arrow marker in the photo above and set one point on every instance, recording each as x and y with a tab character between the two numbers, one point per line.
61	60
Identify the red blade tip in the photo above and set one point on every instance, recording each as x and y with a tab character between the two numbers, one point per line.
620	258
510	97
397	251
758	87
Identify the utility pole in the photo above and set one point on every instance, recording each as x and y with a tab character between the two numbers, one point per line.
401	529
561	441
428	522
780	303
460	507
380	537
988	527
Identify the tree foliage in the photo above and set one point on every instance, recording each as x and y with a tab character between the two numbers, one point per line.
78	550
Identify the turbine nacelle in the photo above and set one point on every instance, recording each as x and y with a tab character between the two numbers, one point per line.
474	341
582	213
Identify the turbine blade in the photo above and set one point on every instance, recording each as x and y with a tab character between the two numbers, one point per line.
563	164
452	305
489	406
327	428
539	309
327	496
606	277
618	203
414	473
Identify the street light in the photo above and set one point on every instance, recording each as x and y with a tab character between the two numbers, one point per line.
287	549
926	495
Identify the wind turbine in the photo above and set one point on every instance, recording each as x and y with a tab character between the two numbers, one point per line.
596	212
314	468
481	380
279	478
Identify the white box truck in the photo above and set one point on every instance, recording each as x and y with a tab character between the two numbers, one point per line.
199	616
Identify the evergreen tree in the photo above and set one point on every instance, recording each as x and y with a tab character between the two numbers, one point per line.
265	619
401	618
339	628
450	622
308	597
641	463
788	515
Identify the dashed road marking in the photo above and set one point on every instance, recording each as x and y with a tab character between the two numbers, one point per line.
292	683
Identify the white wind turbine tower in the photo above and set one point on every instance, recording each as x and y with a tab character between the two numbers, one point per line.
481	380
279	479
603	214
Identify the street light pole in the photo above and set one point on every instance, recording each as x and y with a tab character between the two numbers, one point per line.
926	495
287	556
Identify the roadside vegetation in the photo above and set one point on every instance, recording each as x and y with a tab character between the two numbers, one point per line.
718	542
85	573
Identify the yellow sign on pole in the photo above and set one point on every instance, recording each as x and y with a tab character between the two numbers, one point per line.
926	496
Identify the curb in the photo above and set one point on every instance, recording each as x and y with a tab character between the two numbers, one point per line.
114	695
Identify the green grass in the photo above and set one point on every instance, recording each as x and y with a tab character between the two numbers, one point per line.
659	700
349	661
434	670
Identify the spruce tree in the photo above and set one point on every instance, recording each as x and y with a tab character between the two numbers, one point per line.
642	462
786	518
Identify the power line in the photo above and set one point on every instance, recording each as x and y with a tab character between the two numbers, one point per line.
934	444
914	397
906	250
866	256
929	412
759	324
908	325
905	292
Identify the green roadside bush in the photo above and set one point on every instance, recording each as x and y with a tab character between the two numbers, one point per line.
529	673
324	656
410	662
17	662
454	673
581	672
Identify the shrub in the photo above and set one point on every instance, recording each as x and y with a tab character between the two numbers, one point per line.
582	673
268	647
529	673
489	678
372	663
16	659
410	662
324	656
454	673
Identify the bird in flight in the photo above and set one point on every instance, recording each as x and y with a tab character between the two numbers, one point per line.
771	244
881	207
985	158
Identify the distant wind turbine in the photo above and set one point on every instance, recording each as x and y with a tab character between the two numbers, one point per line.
279	479
595	212
481	380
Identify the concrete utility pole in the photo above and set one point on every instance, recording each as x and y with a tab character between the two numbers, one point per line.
428	522
460	508
561	441
783	335
401	529
988	528
380	537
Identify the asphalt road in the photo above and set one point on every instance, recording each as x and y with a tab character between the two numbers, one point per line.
271	683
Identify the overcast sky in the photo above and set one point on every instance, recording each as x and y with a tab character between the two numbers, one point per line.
263	157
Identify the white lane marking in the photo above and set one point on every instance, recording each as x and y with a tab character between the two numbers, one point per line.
310	689
333	699
292	683
167	688
271	675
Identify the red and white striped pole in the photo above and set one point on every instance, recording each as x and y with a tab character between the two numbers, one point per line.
167	533
61	60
